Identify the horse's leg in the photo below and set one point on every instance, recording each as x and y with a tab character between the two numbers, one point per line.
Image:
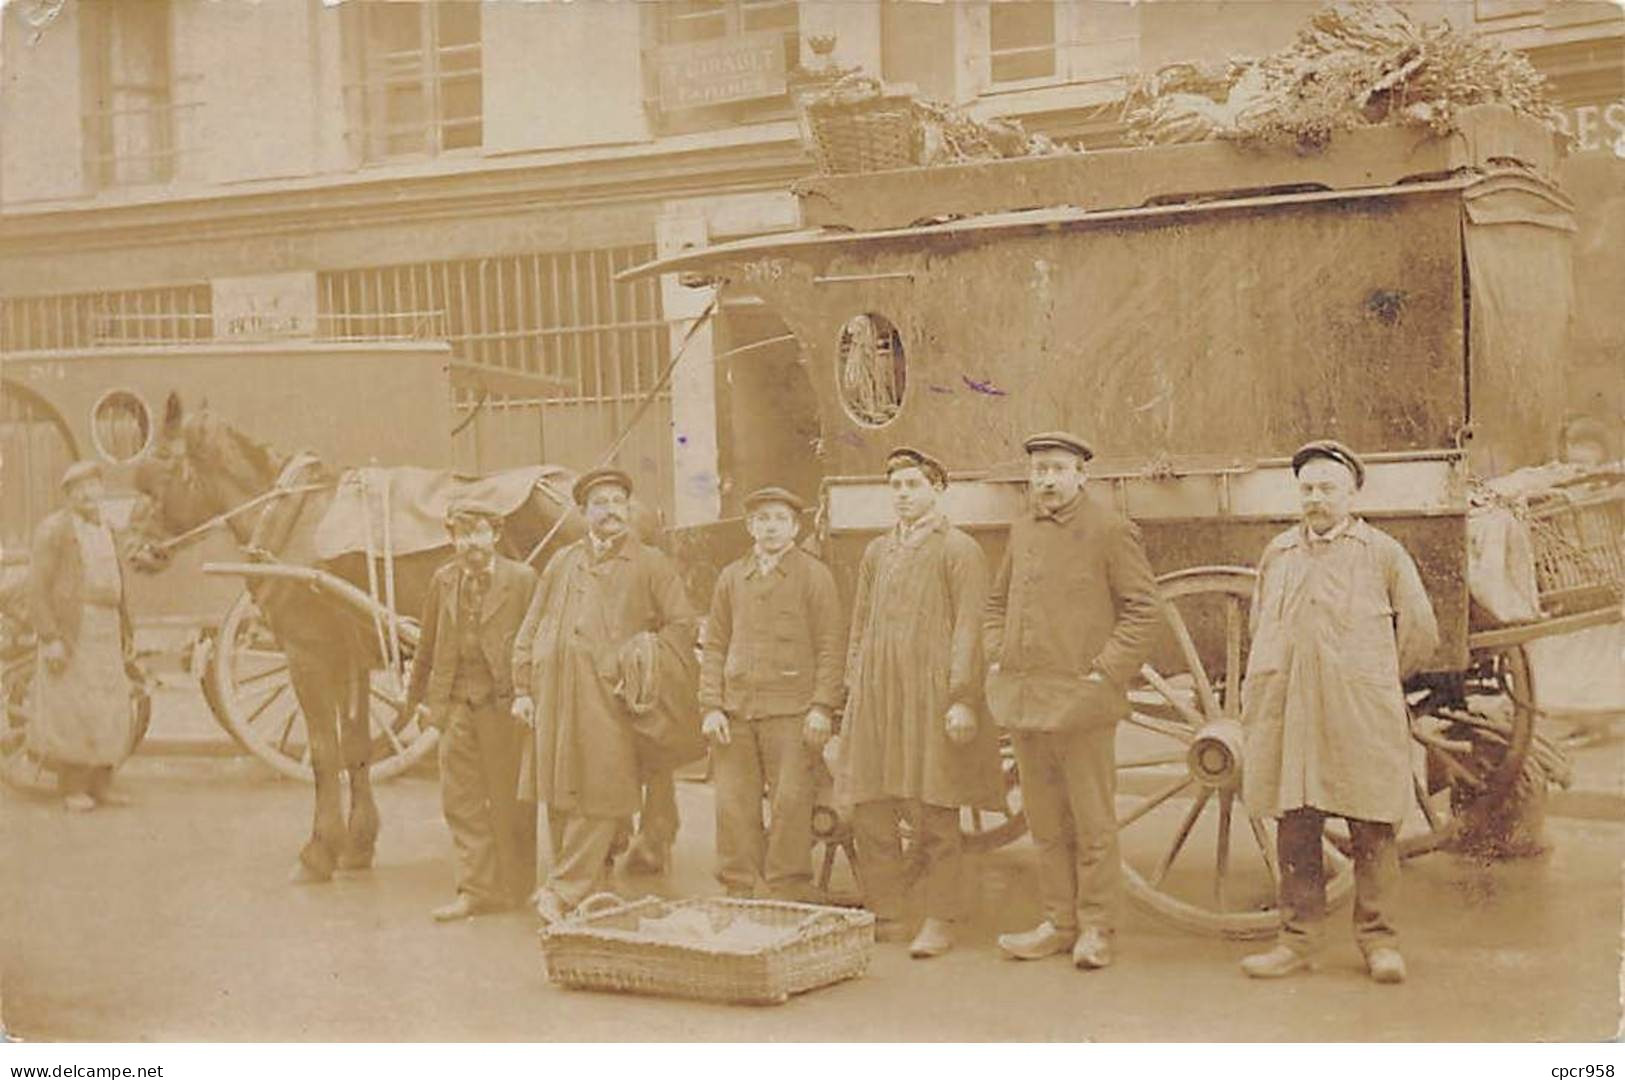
356	742
314	684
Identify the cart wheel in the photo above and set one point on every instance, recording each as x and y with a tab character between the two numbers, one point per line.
1179	771
1472	739
986	830
247	685
18	767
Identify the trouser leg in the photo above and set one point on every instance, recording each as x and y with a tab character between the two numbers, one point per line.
737	776
1376	879
792	780
99	778
579	857
880	856
1298	840
936	829
658	821
512	842
1043	795
1089	764
467	810
72	779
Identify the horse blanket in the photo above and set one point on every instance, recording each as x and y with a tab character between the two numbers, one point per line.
417	499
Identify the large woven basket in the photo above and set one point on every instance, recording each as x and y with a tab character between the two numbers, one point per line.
1578	538
601	948
875	135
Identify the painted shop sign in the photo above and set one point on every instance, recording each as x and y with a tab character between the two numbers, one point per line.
265	306
1595	127
738	68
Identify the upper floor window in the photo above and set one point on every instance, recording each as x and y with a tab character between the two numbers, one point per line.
1034	43
1021	40
129	124
683	21
419	91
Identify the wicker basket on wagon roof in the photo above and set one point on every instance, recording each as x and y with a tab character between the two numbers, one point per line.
603	947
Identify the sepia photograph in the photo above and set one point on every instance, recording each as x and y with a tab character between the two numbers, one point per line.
811	521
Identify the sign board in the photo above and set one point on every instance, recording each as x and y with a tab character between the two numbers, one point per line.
265	306
742	67
1595	127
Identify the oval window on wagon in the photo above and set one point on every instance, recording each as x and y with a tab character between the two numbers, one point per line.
121	426
871	370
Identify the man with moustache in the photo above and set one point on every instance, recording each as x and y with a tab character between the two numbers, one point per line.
1339	618
1069	621
913	746
82	727
594	597
462	685
770	683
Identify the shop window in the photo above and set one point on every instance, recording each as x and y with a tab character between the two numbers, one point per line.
121	426
871	370
419	91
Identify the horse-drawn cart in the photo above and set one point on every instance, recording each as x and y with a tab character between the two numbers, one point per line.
1200	311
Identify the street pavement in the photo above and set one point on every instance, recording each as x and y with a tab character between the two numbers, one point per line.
173	919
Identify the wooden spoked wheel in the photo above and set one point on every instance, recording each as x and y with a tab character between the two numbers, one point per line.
248	687
1193	853
986	830
18	766
1472	736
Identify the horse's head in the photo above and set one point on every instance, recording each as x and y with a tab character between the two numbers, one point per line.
199	466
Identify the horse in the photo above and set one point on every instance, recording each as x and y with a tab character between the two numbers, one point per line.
200	468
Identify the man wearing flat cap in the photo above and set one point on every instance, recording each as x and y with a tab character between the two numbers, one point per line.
913	744
1339	618
770	683
462	684
83	726
596	596
1069	621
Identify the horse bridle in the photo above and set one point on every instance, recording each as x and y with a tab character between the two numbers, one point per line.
283	488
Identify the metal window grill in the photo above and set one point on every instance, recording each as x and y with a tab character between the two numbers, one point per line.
559	316
165	315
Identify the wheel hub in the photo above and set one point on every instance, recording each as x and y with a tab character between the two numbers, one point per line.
1215	754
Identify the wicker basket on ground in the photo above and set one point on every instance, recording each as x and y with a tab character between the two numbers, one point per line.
792	948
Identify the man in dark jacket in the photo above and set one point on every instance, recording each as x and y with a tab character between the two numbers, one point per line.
82	726
770	683
1070	619
462	683
595	597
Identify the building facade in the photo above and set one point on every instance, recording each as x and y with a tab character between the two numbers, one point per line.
174	172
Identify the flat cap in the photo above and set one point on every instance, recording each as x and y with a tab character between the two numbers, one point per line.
80	470
1058	440
906	457
467	508
772	494
1331	450
589	480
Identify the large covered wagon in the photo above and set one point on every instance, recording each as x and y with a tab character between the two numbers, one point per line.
1200	311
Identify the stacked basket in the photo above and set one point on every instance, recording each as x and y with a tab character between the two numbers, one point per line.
859	127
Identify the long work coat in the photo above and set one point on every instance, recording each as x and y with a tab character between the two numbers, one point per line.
77	597
1336	622
914	649
584	759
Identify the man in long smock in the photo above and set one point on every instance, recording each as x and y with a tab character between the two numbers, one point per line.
1339	617
82	727
1070	619
912	743
594	598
